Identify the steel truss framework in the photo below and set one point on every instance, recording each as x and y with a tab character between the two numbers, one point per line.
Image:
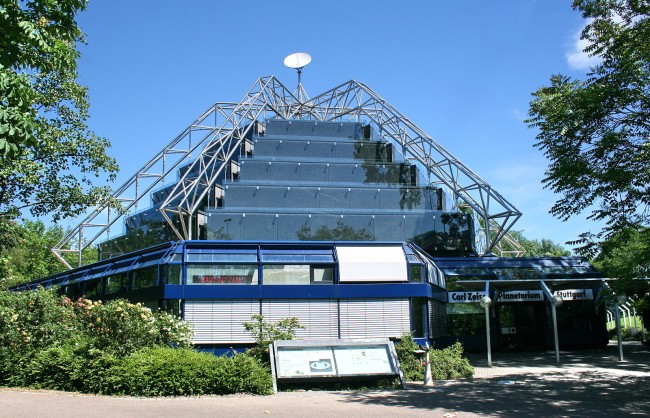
218	133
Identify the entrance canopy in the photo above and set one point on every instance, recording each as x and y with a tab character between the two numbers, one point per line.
531	284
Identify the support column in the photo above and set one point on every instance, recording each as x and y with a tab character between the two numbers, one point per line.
555	301
485	303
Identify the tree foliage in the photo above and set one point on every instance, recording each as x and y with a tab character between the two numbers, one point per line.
626	255
596	132
29	257
49	159
540	248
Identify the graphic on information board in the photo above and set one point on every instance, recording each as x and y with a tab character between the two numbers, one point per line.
362	360
306	362
320	366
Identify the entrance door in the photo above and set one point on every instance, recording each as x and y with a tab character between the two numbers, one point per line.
519	328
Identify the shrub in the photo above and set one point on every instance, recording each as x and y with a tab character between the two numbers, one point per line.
411	363
30	322
74	366
449	363
446	364
164	371
121	327
627	334
265	333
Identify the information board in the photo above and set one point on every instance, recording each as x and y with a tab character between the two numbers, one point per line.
340	358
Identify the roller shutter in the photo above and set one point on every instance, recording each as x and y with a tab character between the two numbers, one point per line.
319	317
220	321
367	318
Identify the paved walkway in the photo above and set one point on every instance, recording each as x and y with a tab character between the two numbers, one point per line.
589	383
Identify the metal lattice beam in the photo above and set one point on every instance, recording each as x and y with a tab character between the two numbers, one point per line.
218	133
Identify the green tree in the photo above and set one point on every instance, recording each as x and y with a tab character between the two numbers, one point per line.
539	248
49	159
30	257
596	132
626	256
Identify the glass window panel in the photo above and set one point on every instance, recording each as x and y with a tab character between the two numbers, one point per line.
254	170
259	227
286	274
418	313
565	269
322	149
465	271
316	172
115	283
465	319
389	228
171	274
362	198
232	257
346	149
333	198
238	196
417	273
281	171
297	258
144	278
222	274
343	173
322	275
273	197
517	273
92	288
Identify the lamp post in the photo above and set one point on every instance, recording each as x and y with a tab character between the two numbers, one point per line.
485	303
556	301
619	300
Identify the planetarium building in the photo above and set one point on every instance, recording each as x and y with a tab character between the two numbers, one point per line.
334	209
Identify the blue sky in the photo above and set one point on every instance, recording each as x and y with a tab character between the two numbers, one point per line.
462	70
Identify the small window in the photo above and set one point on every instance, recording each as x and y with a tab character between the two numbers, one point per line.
287	274
144	278
115	283
418	315
417	273
322	275
222	274
92	288
171	274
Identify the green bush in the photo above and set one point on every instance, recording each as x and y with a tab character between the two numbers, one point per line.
265	333
627	334
449	363
163	371
121	327
446	364
31	322
411	363
49	341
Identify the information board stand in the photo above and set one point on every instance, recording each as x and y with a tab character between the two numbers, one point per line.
338	359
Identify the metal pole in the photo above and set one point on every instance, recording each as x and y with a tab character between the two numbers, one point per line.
629	318
555	335
626	323
485	303
487	331
618	332
554	300
80	252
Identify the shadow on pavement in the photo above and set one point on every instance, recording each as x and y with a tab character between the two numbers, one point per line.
587	383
